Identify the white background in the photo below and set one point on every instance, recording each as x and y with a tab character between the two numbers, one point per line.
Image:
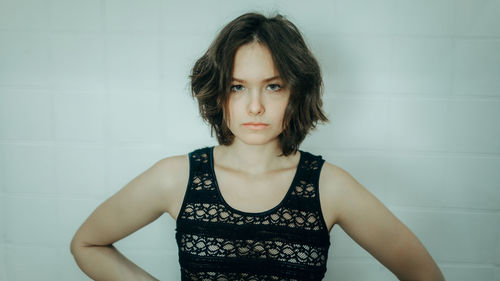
94	92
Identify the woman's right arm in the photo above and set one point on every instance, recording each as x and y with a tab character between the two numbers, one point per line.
140	202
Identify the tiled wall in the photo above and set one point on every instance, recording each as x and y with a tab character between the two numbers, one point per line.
94	92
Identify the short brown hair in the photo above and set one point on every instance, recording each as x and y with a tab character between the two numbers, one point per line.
211	76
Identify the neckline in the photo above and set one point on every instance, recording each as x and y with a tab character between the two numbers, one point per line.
219	193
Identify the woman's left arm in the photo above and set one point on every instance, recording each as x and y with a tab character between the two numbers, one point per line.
370	224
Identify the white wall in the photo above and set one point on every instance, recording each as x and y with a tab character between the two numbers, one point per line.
94	92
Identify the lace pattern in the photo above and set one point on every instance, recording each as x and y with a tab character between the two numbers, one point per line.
218	213
217	243
259	249
228	276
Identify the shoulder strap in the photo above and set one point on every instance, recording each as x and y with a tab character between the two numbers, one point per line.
312	167
198	158
198	161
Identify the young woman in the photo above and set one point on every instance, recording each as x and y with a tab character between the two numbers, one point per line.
256	207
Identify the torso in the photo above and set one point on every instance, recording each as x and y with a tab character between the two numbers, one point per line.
255	194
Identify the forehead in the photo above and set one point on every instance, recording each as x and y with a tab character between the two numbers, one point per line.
254	61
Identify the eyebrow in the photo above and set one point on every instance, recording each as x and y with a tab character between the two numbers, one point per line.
265	80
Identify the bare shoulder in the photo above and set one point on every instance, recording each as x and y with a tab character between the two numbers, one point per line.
331	172
145	198
335	185
373	226
173	172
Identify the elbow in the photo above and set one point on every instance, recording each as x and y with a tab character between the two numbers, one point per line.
76	245
73	246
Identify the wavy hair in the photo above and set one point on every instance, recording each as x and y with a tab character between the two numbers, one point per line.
211	76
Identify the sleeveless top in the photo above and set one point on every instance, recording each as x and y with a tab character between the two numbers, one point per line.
217	242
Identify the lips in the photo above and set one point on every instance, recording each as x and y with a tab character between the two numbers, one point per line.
255	125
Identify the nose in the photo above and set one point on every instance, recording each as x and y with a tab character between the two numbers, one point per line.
255	104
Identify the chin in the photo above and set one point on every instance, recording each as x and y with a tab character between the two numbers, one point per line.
257	140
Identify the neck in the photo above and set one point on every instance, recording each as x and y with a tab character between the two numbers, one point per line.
253	159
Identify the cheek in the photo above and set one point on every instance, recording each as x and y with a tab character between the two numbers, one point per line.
281	108
283	111
279	113
231	112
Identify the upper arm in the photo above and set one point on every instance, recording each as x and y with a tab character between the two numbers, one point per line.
138	203
372	225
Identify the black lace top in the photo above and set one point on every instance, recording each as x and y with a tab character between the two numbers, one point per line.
218	242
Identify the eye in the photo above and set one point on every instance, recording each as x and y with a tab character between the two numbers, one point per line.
236	88
274	87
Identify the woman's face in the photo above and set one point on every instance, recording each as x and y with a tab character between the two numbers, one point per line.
258	97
